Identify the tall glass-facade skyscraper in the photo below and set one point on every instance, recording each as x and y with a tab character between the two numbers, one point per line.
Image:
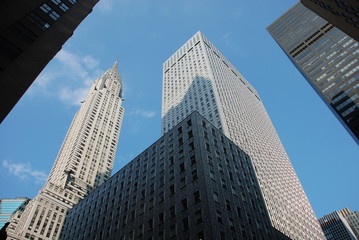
84	161
326	57
198	77
8	206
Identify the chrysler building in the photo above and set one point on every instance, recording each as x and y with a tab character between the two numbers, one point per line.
84	162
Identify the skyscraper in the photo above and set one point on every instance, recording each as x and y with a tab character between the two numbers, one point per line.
343	14
192	183
198	77
352	218
326	57
336	227
83	163
31	33
8	206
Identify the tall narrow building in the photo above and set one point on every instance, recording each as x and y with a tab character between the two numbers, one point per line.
31	33
326	57
84	161
198	77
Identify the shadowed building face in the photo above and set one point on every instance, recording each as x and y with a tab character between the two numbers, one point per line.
31	33
198	77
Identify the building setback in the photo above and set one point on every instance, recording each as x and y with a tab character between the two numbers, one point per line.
83	163
343	14
336	226
198	77
31	33
192	183
326	57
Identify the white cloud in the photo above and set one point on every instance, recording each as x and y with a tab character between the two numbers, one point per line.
73	97
67	77
227	38
24	171
72	62
90	61
146	114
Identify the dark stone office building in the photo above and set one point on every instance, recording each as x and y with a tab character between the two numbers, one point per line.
31	33
193	183
343	14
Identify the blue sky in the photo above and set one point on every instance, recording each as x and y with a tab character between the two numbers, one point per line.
141	35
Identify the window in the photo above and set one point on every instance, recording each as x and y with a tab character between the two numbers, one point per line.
172	211
172	189
228	205
219	216
193	160
211	175
161	197
45	8
184	204
189	123
185	224
222	235
194	175
173	230
215	197
150	224
172	174
197	197
182	168
191	146
198	216
231	224
161	217
190	134
183	182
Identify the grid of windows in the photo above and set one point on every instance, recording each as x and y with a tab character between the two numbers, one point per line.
328	59
132	203
84	161
236	109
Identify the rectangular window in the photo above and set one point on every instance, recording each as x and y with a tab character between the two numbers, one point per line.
172	211
198	216
161	217
184	204
185	224
197	197
172	189
182	167
194	175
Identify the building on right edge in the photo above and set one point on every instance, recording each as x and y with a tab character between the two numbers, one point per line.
197	77
343	14
341	225
326	57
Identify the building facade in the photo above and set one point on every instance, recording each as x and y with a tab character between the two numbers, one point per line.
31	33
8	206
192	183
336	226
352	218
343	14
198	77
83	163
326	57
